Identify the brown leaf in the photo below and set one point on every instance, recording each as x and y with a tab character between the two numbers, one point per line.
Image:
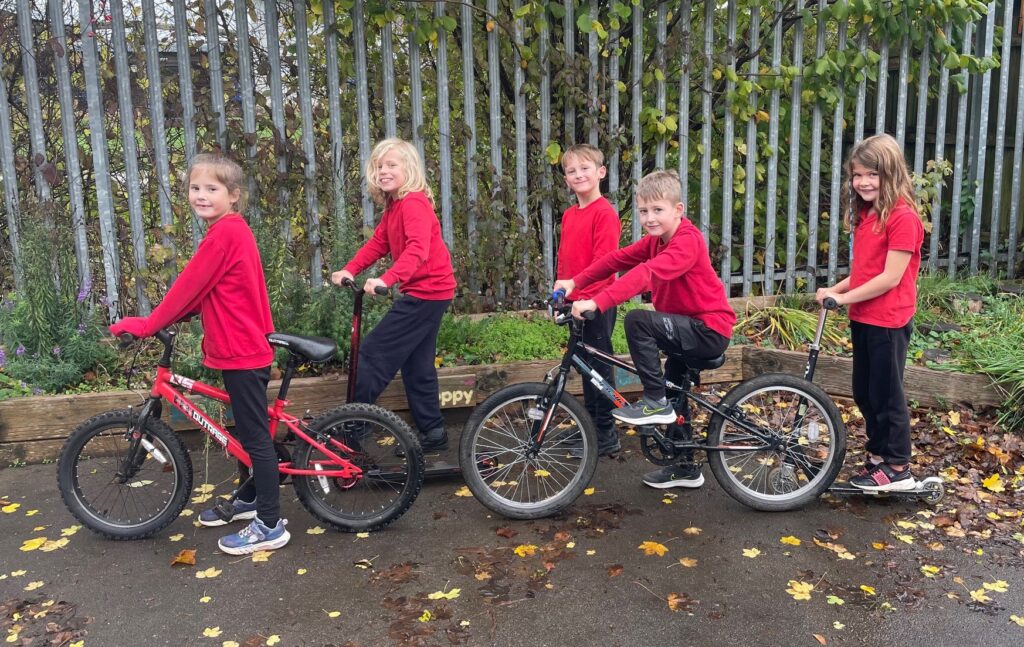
821	639
506	532
615	570
186	557
562	536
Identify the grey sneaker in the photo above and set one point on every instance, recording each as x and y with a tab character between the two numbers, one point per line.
687	476
645	412
240	510
609	449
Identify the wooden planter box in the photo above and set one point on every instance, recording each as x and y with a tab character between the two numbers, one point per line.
33	429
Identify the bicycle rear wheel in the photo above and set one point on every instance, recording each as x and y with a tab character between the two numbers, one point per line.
504	475
383	446
811	449
122	499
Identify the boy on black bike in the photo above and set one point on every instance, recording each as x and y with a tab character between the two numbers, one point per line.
691	317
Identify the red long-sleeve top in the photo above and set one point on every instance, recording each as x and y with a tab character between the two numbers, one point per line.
678	274
410	232
588	233
224	283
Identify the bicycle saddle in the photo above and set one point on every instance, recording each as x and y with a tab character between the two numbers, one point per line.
700	364
312	349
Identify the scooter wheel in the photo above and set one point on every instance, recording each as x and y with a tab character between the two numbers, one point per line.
934	490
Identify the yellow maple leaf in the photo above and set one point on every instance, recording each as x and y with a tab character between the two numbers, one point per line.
362	535
692	530
10	507
208	573
591	553
541	473
800	590
790	540
333	614
70	530
315	530
212	632
463	491
441	595
426	617
667	501
1017	619
589	491
675	601
906	539
33	544
653	548
999	586
570	544
273	639
929	570
177	537
688	562
53	545
525	550
751	552
205	488
978	595
954	418
301	571
77	643
262	555
906	525
870	590
18	573
205	599
32	586
229	643
994	483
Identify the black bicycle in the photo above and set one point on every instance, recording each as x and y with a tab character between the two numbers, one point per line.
774	442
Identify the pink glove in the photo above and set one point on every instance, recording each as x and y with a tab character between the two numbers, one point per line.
135	326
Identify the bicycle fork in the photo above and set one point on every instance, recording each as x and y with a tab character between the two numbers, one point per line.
138	445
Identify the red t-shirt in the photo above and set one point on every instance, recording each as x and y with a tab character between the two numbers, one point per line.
588	233
410	232
903	232
678	274
224	283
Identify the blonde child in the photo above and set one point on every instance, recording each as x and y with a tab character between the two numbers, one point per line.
590	229
224	283
406	338
881	292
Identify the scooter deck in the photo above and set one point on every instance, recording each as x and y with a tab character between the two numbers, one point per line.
930	489
444	463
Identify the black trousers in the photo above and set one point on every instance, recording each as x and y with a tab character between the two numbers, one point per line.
648	332
248	391
598	333
879	357
406	339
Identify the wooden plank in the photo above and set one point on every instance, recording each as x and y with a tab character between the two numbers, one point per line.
929	388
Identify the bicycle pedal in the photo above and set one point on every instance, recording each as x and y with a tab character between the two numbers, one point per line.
225	510
647	430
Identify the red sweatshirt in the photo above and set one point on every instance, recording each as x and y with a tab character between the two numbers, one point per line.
903	232
587	235
410	233
224	283
678	274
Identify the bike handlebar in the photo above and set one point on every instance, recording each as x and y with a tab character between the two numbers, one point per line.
349	283
829	304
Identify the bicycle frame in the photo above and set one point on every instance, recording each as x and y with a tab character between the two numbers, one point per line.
164	389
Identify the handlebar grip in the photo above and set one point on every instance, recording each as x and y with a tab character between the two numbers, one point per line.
381	290
589	314
348	283
830	304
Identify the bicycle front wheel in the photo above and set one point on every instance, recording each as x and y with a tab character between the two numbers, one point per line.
501	470
382	446
118	497
802	450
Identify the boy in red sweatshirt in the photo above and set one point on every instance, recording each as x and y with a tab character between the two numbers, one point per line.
691	317
591	229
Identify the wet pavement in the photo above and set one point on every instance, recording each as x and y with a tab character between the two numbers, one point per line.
726	576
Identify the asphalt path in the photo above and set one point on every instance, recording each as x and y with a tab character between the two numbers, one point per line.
726	571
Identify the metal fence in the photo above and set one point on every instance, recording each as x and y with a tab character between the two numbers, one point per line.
101	103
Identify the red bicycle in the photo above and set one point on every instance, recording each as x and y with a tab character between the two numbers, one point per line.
125	474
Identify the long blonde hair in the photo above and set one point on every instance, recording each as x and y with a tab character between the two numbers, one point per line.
882	154
415	173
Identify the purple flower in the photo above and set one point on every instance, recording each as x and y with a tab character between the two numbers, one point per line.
83	294
56	351
7	304
35	390
19	351
3	357
81	328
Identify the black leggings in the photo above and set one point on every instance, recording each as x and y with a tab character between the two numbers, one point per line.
248	391
879	357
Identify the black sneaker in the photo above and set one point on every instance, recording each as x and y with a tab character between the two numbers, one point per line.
435	440
687	476
883	478
645	412
608	449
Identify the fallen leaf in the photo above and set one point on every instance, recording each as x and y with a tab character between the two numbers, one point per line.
506	532
677	602
463	491
211	632
838	625
999	586
70	530
273	640
591	553
186	557
301	571
230	643
525	550
262	555
315	530
362	535
208	573
363	564
32	586
978	595
205	599
177	537
426	616
751	552
800	590
588	492
790	540
615	570
821	639
33	544
870	590
688	562
11	507
541	473
333	614
836	600
653	548
1017	619
994	483
441	595
929	570
692	530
